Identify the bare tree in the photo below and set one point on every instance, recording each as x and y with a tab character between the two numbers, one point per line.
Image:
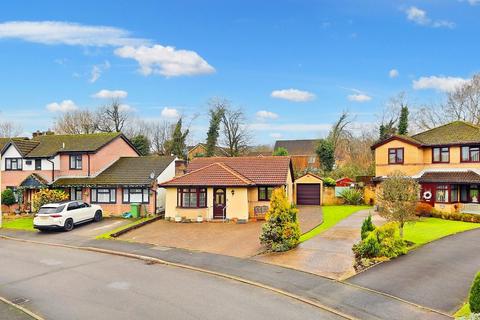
339	129
160	132
112	117
235	131
9	129
463	103
76	122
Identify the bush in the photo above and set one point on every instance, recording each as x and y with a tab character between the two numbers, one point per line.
383	243
329	182
367	226
352	196
281	230
45	196
423	209
8	197
474	298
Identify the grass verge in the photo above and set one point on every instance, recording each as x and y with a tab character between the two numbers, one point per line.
107	235
426	230
463	311
331	216
23	223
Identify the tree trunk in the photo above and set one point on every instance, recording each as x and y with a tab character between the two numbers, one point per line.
401	230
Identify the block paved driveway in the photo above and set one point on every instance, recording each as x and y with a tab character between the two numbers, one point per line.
437	275
231	239
328	254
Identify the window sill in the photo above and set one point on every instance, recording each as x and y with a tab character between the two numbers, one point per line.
191	207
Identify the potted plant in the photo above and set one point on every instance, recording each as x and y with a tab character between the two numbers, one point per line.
199	218
178	218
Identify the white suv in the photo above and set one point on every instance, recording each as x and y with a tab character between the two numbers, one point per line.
65	215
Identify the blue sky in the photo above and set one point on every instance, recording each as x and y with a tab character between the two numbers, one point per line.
293	66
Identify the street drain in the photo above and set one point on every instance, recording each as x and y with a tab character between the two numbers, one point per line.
20	300
150	262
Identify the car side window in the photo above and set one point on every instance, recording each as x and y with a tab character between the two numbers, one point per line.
72	206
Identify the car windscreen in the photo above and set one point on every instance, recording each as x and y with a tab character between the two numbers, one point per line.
49	210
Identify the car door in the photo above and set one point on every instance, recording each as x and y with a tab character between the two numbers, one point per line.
87	210
74	212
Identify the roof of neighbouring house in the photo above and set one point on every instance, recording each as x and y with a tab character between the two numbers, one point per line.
218	151
304	147
24	146
454	176
456	132
267	170
214	174
129	171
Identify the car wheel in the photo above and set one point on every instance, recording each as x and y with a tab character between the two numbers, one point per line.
68	226
98	216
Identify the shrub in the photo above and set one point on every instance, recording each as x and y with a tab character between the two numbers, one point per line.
45	196
383	243
367	226
423	209
8	197
329	182
280	151
352	196
474	298
281	230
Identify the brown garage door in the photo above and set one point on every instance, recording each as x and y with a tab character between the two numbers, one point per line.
308	194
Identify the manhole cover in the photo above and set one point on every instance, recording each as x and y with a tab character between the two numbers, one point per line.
20	300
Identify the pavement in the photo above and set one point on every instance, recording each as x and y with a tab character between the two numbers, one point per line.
437	275
61	283
8	312
232	239
352	300
328	254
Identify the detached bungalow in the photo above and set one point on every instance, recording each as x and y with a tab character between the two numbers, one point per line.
228	187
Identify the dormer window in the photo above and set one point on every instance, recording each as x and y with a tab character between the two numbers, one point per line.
76	162
441	155
395	156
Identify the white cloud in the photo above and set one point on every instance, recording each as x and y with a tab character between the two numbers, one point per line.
264	115
110	94
471	2
420	17
393	73
293	95
64	106
74	34
295	127
97	71
126	107
170	113
166	61
445	84
359	97
276	135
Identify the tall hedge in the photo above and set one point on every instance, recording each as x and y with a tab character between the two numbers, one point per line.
474	298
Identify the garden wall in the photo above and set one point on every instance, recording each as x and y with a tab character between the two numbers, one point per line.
329	197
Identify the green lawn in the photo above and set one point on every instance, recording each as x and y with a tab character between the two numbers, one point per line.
331	216
428	229
463	311
24	223
134	222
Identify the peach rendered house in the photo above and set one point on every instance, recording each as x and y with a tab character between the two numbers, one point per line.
444	160
103	168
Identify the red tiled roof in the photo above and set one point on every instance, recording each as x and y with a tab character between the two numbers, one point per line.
234	171
450	177
215	174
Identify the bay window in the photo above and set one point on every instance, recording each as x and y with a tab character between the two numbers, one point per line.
192	197
136	195
441	194
103	195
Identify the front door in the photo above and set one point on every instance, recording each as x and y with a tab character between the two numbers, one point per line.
428	193
219	202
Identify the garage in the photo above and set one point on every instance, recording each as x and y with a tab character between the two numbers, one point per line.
308	194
